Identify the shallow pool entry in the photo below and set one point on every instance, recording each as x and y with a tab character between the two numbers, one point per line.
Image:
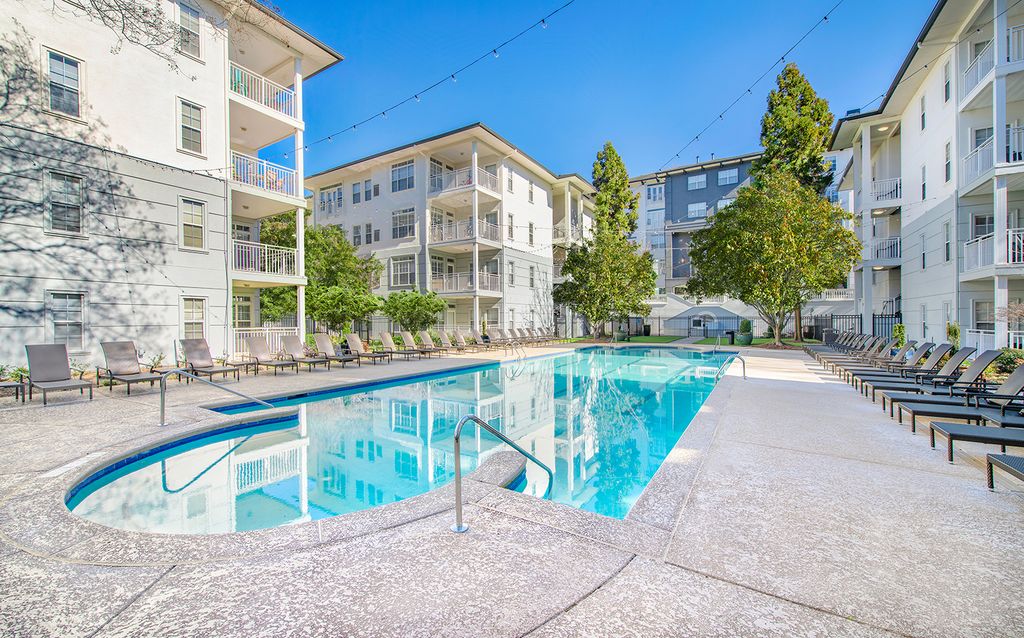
603	419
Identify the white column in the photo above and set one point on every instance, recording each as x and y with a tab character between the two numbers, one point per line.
1002	300
303	463
300	267
999	42
866	202
473	223
867	312
300	163
1000	219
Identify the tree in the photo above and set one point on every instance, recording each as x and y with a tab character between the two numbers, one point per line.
412	310
774	247
607	276
795	132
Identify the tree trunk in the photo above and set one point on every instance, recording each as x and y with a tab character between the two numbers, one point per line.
798	328
780	323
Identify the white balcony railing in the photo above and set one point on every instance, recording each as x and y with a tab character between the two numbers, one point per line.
979	252
887	190
463	282
250	256
1016	339
561	234
272	335
835	294
1015	143
463	230
1015	246
885	248
980	340
556	269
263	175
979	68
978	161
1016	43
463	178
487	180
490	281
262	91
265	467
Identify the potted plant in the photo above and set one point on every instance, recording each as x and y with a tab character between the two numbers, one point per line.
899	333
746	335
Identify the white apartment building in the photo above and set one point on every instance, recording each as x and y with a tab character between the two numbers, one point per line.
937	178
133	192
465	214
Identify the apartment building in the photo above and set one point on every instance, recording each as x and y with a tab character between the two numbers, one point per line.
936	179
133	191
465	214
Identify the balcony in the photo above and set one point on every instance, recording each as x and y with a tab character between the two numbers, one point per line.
885	248
253	257
462	283
835	294
465	230
978	69
978	162
979	252
1014	144
887	190
263	176
980	340
1016	43
274	337
561	235
263	92
463	178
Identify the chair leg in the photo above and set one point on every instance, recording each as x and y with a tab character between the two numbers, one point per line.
949	449
44	397
90	392
991	479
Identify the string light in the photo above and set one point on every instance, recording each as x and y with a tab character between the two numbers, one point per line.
495	53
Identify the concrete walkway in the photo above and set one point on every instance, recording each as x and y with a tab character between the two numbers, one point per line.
790	507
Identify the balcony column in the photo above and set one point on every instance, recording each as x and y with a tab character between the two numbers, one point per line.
999	131
867	198
1000	31
566	221
300	160
300	269
303	463
1002	300
1000	220
868	311
474	216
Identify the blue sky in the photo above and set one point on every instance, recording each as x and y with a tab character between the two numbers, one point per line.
645	75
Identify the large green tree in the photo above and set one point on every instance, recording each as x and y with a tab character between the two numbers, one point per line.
607	276
413	310
795	132
774	247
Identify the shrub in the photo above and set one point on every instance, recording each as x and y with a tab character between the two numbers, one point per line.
412	310
745	327
899	333
953	334
1009	360
769	333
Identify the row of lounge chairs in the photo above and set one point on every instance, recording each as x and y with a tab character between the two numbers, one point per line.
50	370
912	381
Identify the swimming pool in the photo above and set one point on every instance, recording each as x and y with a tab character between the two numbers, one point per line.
603	419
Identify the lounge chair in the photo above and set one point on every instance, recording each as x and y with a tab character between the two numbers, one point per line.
875	362
975	403
49	369
122	359
482	341
17	386
976	434
948	391
325	348
1012	465
428	342
892	368
921	380
447	344
389	346
259	351
410	343
295	350
904	373
199	361
355	347
461	343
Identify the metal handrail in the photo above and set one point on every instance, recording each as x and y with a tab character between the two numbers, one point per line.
718	342
182	372
459	526
721	368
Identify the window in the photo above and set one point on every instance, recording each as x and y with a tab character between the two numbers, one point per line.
404	416
655	193
924	321
357	235
191	122
984	315
402	176
331	199
533	271
367	190
188	30
982	135
511	227
946	245
697	209
948	166
924	253
65	203
403	271
436	175
192	223
512	324
529	192
67	319
369	234
529	233
922	113
924	183
242	315
356	193
508	179
403	223
983	225
65	84
725	201
946	78
695	182
511	273
728	176
436	266
194	317
947	311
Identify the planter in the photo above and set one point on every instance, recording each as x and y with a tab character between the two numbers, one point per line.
744	339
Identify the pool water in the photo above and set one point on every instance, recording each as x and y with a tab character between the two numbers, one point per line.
603	419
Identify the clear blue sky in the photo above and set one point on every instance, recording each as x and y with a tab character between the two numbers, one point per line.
645	75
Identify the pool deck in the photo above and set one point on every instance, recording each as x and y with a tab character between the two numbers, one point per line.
791	506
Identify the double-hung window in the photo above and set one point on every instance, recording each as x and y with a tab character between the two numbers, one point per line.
529	233
356	193
369	234
728	176
655	193
191	125
402	176
697	210
64	84
67	319
331	199
193	317
357	235
508	179
192	223
529	192
367	190
924	252
948	165
696	182
533	271
946	81
511	226
924	183
947	244
511	273
65	203
188	30
403	271
403	223
922	113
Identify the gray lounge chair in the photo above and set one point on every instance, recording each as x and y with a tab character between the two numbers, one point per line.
460	341
122	359
447	343
355	346
389	346
411	344
325	348
49	369
199	361
428	342
921	381
295	350
976	434
1012	465
482	341
259	351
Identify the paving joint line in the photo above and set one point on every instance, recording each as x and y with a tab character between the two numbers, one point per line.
132	601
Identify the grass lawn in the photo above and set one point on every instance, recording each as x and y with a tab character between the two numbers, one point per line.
758	341
653	339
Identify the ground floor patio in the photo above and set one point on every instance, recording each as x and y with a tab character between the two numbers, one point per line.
791	506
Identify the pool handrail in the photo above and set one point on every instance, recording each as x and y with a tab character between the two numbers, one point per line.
459	526
182	372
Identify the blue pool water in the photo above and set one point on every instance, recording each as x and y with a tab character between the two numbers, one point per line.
602	418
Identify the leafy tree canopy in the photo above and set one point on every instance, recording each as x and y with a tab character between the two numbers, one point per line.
413	310
615	205
774	247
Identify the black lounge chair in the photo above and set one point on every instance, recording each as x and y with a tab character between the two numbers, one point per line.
259	352
875	363
49	369
199	361
914	382
355	347
122	359
389	346
897	370
970	380
975	434
461	342
1000	416
295	350
1012	465
325	348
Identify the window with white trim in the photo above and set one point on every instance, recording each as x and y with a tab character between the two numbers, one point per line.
193	220
188	30
357	235
923	119
403	223
193	313
947	243
511	273
529	192
508	179
65	203
725	201
529	233
367	190
728	176
511	226
948	166
66	312
696	182
332	199
65	85
403	271
369	234
656	192
984	315
697	209
402	176
924	182
533	271
190	120
946	81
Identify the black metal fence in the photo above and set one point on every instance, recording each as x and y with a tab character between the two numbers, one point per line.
882	325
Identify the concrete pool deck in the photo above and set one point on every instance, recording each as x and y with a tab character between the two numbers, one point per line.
791	506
